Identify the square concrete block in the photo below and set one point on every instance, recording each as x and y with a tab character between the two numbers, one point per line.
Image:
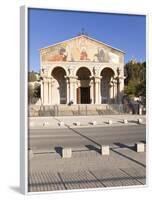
61	123
66	152
140	147
45	124
109	121
125	121
93	123
30	154
140	121
105	150
77	123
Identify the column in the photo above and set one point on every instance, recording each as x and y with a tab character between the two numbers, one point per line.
97	90
100	94
45	92
115	91
74	90
67	82
119	90
50	92
92	91
42	92
71	90
110	92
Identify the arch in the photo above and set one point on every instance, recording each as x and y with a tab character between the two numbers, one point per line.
64	68
59	86
110	68
107	90
83	90
84	67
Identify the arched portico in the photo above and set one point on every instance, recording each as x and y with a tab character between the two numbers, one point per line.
59	88
80	84
83	87
107	87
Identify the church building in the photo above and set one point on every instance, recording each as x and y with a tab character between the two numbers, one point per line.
81	70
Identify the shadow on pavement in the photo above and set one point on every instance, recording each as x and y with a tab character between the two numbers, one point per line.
58	150
124	146
93	148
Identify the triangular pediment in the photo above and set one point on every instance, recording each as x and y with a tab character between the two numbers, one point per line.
81	48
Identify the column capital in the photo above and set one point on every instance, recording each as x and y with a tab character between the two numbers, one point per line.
96	77
71	77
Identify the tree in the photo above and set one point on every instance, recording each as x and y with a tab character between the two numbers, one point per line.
32	76
37	90
135	82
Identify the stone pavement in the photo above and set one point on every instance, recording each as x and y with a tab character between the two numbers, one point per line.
87	169
53	122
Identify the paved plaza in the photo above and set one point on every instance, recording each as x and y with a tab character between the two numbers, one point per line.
87	168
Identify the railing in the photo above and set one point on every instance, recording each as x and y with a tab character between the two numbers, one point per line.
82	109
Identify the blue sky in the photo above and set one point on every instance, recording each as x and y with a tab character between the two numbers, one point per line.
125	32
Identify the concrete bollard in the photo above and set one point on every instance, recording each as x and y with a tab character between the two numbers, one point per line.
31	124
77	123
30	154
139	121
109	121
105	150
140	111
93	123
66	152
45	123
140	147
61	123
125	121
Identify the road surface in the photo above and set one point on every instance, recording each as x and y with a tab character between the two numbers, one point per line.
49	139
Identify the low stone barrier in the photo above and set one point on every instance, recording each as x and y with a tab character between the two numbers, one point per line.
61	123
45	124
109	121
77	123
140	121
30	154
66	152
105	150
140	147
93	123
125	121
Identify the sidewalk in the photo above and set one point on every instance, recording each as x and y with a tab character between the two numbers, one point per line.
87	169
85	121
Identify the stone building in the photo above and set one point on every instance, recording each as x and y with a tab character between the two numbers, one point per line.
82	70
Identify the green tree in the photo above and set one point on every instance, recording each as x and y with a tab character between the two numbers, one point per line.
32	77
135	82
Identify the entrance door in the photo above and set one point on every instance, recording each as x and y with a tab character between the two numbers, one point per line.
85	95
78	95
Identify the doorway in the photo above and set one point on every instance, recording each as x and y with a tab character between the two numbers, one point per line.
83	95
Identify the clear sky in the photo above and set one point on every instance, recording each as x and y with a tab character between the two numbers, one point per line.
125	32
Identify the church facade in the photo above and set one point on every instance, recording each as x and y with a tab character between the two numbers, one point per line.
81	70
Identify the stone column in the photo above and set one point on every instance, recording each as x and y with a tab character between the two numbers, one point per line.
100	94
42	92
50	91
45	92
111	92
72	89
115	90
67	82
97	90
92	91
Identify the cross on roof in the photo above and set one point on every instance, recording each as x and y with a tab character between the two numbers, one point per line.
82	32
